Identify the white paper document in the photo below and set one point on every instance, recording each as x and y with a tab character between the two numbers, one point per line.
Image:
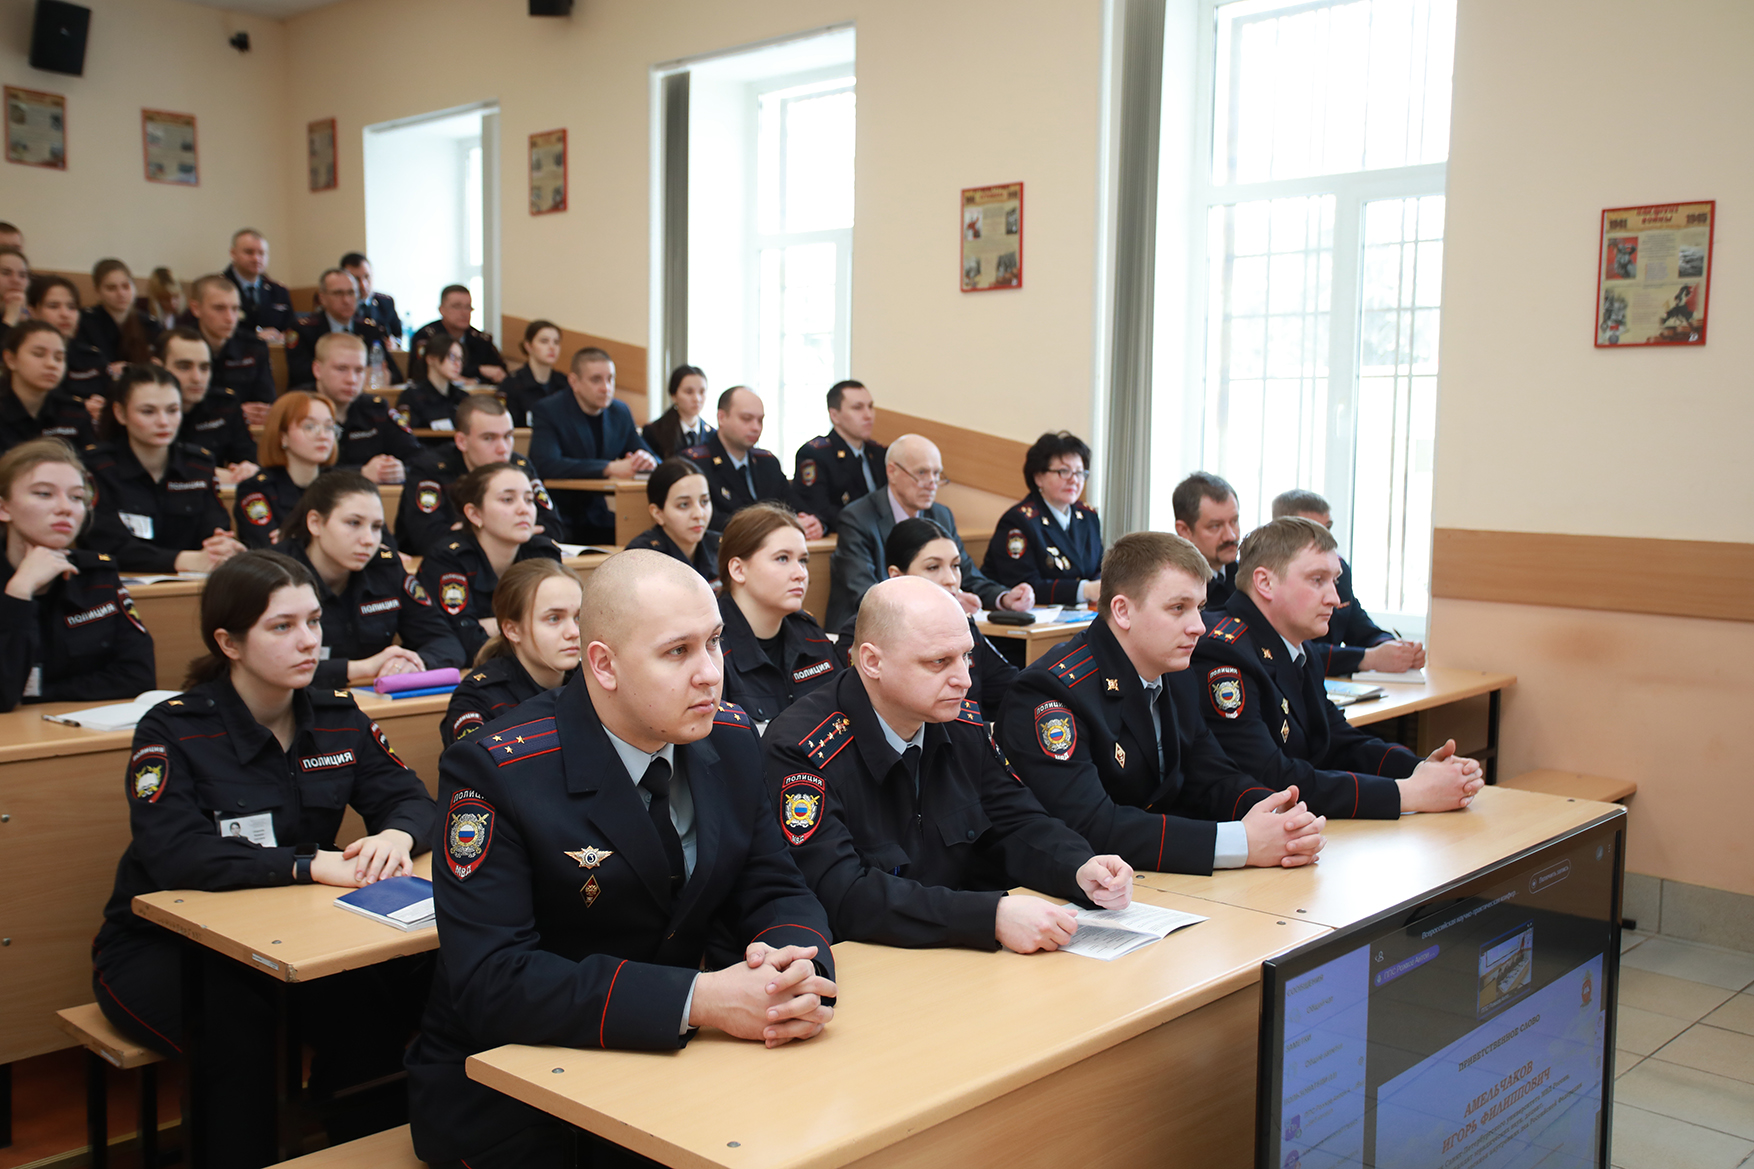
1410	677
120	716
571	550
1109	933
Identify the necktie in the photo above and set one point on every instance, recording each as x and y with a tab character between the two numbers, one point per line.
1154	691
749	478
910	759
657	785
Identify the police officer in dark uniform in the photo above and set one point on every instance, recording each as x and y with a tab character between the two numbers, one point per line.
218	801
1268	708
377	307
433	394
68	628
457	574
537	605
597	843
338	300
30	406
265	303
55	300
1051	540
488	692
240	358
838	467
425	519
212	415
1106	730
774	651
901	813
678	502
263	503
368	427
737	471
481	358
1206	514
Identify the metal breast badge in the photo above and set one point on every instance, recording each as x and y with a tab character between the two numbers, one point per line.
591	856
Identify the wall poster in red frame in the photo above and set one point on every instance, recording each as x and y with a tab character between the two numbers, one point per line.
992	237
1653	274
548	172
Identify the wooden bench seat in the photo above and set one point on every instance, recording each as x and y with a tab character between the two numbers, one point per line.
391	1149
97	1035
1574	785
106	1045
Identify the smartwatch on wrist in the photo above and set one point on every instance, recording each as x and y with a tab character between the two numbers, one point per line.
302	856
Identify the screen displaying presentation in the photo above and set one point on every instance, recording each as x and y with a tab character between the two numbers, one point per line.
1473	1030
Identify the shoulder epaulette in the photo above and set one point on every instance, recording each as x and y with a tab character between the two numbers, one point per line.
524	741
1075	666
819	442
323	697
827	738
1228	630
729	714
1028	509
971	713
698	448
386	554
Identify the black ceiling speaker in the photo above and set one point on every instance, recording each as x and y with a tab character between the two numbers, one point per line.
57	40
550	7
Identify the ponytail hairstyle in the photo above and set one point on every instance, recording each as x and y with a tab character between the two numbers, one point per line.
749	529
907	538
236	595
515	596
680	372
110	428
323	496
135	344
533	328
472	488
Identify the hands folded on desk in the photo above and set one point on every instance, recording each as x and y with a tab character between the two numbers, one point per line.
368	859
1283	832
774	995
1444	782
1026	924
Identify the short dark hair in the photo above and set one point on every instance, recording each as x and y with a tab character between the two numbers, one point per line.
1190	491
468	408
669	473
1132	563
1276	543
837	392
10	228
436	347
471	487
907	538
1044	450
353	260
1298	502
243	231
450	288
325	492
328	272
730	394
586	355
682	371
161	344
217	280
42	282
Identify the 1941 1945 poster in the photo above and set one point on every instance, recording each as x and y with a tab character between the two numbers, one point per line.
1653	274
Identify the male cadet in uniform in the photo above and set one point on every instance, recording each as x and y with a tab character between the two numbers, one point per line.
597	841
377	307
1205	515
739	473
481	359
338	302
211	418
901	812
266	306
1265	700
1106	730
372	437
425	516
914	470
843	464
588	434
240	360
1354	642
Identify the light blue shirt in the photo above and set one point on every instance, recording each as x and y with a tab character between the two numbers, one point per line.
900	745
1230	850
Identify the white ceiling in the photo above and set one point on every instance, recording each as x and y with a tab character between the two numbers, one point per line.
278	9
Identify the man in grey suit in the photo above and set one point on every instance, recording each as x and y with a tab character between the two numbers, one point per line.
915	470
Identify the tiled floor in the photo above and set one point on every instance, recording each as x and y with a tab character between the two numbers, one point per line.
1684	1089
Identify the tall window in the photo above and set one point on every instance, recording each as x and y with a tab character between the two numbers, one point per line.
1321	212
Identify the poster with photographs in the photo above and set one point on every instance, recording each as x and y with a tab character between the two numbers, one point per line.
992	237
36	128
320	154
548	172
1653	274
169	140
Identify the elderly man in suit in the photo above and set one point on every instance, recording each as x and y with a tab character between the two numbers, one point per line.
915	470
588	434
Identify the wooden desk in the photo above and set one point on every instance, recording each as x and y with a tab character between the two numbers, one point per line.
1037	639
948	1057
1371	865
172	612
627	499
1445	691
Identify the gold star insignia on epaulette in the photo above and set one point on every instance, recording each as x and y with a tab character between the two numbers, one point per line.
175	702
341	694
499	738
455	546
508	748
103	557
1114	685
717	460
476	677
840	454
1265	652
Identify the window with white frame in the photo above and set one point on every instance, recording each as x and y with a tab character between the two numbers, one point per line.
1318	219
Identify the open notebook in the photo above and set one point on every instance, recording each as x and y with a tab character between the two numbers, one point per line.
119	716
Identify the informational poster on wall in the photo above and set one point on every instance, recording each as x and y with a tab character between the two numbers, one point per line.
548	172
169	141
36	128
992	237
1653	276
320	154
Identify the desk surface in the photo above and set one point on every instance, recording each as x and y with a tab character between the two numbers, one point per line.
1441	687
294	933
926	1035
1372	865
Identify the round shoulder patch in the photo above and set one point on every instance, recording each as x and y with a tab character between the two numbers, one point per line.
256	510
801	797
1056	730
468	833
1015	545
1224	684
427	496
807	472
149	769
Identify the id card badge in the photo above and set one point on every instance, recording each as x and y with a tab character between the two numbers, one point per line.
257	829
441	424
140	525
33	685
323	653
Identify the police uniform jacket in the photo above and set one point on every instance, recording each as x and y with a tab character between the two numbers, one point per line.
753	682
488	692
98	330
380	604
859	829
307	330
1221	587
665	436
217	423
202	755
242	365
1274	718
706	553
521	391
425	516
458	576
369	428
380	309
565	443
478	349
87	372
1030	547
144	523
271	308
556	916
1350	631
81	638
1078	729
729	487
829	474
60	416
858	561
263	501
421	403
989	674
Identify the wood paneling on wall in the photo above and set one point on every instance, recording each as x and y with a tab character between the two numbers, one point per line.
972	458
630	360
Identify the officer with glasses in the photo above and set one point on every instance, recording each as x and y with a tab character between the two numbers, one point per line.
298	443
1050	540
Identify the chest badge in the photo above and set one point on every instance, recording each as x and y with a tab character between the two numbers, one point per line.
1266	653
1284	706
1285	731
1114	685
590	890
1120	756
591	856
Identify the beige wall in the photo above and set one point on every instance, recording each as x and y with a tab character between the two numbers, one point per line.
1562	109
952	94
167	55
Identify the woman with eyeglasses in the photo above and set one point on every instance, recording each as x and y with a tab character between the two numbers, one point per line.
297	444
433	393
1050	540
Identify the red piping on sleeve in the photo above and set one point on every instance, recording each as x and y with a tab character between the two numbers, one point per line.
1162	833
603	1023
1238	805
1354	795
795	926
